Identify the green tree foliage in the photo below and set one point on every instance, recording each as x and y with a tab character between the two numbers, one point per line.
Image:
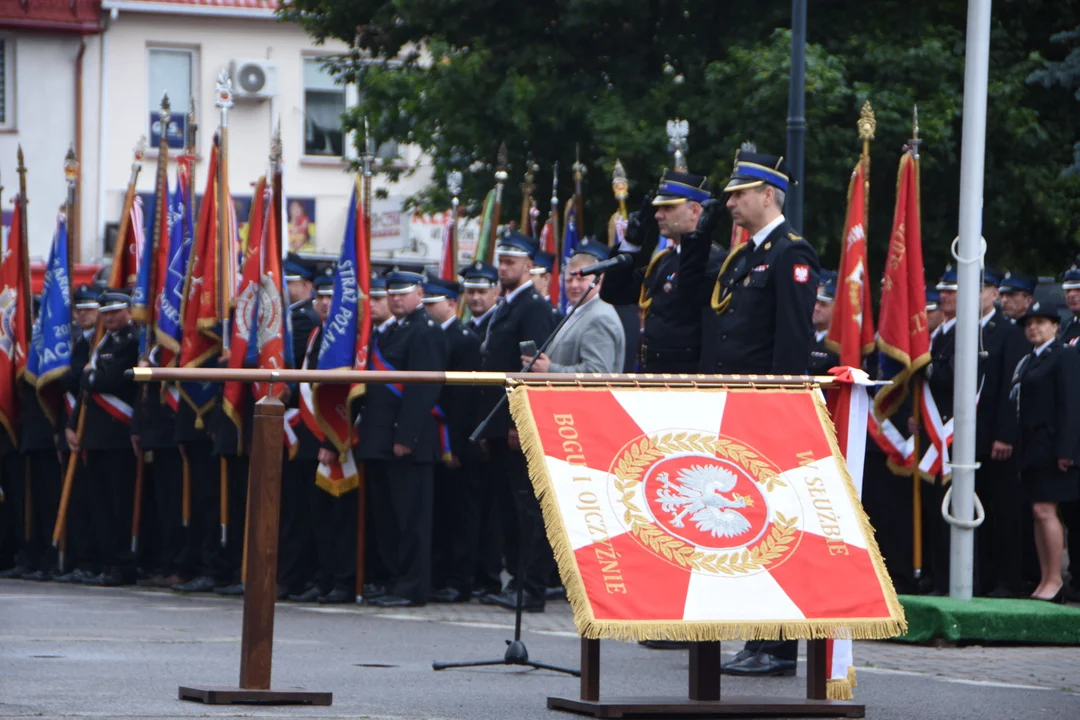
457	77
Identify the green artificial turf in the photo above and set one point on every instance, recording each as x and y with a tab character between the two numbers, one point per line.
986	619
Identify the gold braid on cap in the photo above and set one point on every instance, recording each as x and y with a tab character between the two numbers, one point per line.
644	301
719	305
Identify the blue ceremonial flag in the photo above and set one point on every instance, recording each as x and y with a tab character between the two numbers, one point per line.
50	343
569	245
181	237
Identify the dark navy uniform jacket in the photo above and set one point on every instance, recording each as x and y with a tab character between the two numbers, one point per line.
459	402
527	317
767	295
304	319
1005	345
1047	399
415	342
671	325
116	354
822	359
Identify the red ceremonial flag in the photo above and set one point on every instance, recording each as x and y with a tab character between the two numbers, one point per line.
201	335
245	328
682	516
14	321
127	255
272	306
548	242
851	334
448	263
903	337
739	235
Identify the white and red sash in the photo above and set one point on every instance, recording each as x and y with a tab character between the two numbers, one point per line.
108	402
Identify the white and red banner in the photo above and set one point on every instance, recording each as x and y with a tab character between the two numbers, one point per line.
703	514
851	334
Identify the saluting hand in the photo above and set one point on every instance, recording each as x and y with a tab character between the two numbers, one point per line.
640	222
707	222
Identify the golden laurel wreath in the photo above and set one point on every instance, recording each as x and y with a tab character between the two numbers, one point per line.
641	455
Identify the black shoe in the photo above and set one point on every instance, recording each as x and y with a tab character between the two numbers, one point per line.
15	573
86	577
450	595
39	576
312	594
393	601
665	644
760	665
234	590
203	583
336	596
557	592
1057	599
508	601
373	590
71	577
739	657
108	579
283	592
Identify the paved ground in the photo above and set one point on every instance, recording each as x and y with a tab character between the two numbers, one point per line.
76	652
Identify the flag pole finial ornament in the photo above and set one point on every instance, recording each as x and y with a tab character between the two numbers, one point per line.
20	170
501	162
678	131
140	152
224	93
165	116
914	143
620	184
527	189
192	127
579	167
276	144
453	183
71	167
555	184
369	148
867	123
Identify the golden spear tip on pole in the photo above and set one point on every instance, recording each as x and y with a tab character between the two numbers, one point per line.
71	165
502	158
620	184
914	143
867	123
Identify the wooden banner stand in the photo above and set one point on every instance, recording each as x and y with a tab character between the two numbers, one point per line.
257	638
704	697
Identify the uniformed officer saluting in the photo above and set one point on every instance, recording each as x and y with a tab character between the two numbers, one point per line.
763	297
672	342
110	459
763	303
400	440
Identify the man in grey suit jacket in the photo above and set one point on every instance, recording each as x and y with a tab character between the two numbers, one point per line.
593	339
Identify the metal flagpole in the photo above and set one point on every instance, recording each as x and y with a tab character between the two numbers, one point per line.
527	189
453	183
224	273
796	122
969	267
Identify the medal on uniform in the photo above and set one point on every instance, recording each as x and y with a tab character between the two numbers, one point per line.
668	283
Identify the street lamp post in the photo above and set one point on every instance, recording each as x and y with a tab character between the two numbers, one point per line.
796	122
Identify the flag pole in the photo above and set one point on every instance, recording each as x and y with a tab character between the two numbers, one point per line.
21	202
369	161
191	152
554	217
579	201
867	126
916	480
501	174
620	188
224	266
527	189
361	469
453	183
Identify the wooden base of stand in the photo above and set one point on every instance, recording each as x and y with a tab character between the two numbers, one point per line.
727	707
237	696
704	699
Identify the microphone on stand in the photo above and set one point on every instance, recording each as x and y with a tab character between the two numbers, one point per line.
597	268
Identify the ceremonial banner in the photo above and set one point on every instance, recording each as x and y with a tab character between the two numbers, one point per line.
485	252
549	243
448	261
14	321
50	344
345	338
169	330
903	336
851	333
570	240
703	515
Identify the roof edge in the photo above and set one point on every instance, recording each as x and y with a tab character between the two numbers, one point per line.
174	8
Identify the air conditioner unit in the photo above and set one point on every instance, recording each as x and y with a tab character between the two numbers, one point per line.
254	79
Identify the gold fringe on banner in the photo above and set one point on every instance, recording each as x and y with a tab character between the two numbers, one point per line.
692	631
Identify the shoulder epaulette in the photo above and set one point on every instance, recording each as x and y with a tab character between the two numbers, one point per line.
794	236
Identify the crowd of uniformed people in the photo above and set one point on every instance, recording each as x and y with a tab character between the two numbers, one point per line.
448	519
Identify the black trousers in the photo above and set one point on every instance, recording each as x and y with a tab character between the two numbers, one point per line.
203	553
296	544
402	493
167	473
887	499
112	481
81	549
491	541
1000	538
238	467
45	482
536	559
334	525
13	543
456	534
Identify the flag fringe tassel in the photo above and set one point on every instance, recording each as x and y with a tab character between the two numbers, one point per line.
691	631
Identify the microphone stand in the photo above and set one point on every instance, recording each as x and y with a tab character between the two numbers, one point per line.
528	366
516	652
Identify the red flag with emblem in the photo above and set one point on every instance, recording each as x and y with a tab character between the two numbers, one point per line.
14	320
851	334
903	336
683	516
127	256
201	336
448	262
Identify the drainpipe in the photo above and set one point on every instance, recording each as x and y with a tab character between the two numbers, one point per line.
103	116
73	222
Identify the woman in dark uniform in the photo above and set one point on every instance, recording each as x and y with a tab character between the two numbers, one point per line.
1046	388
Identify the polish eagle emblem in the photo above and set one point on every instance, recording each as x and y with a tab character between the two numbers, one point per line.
701	491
